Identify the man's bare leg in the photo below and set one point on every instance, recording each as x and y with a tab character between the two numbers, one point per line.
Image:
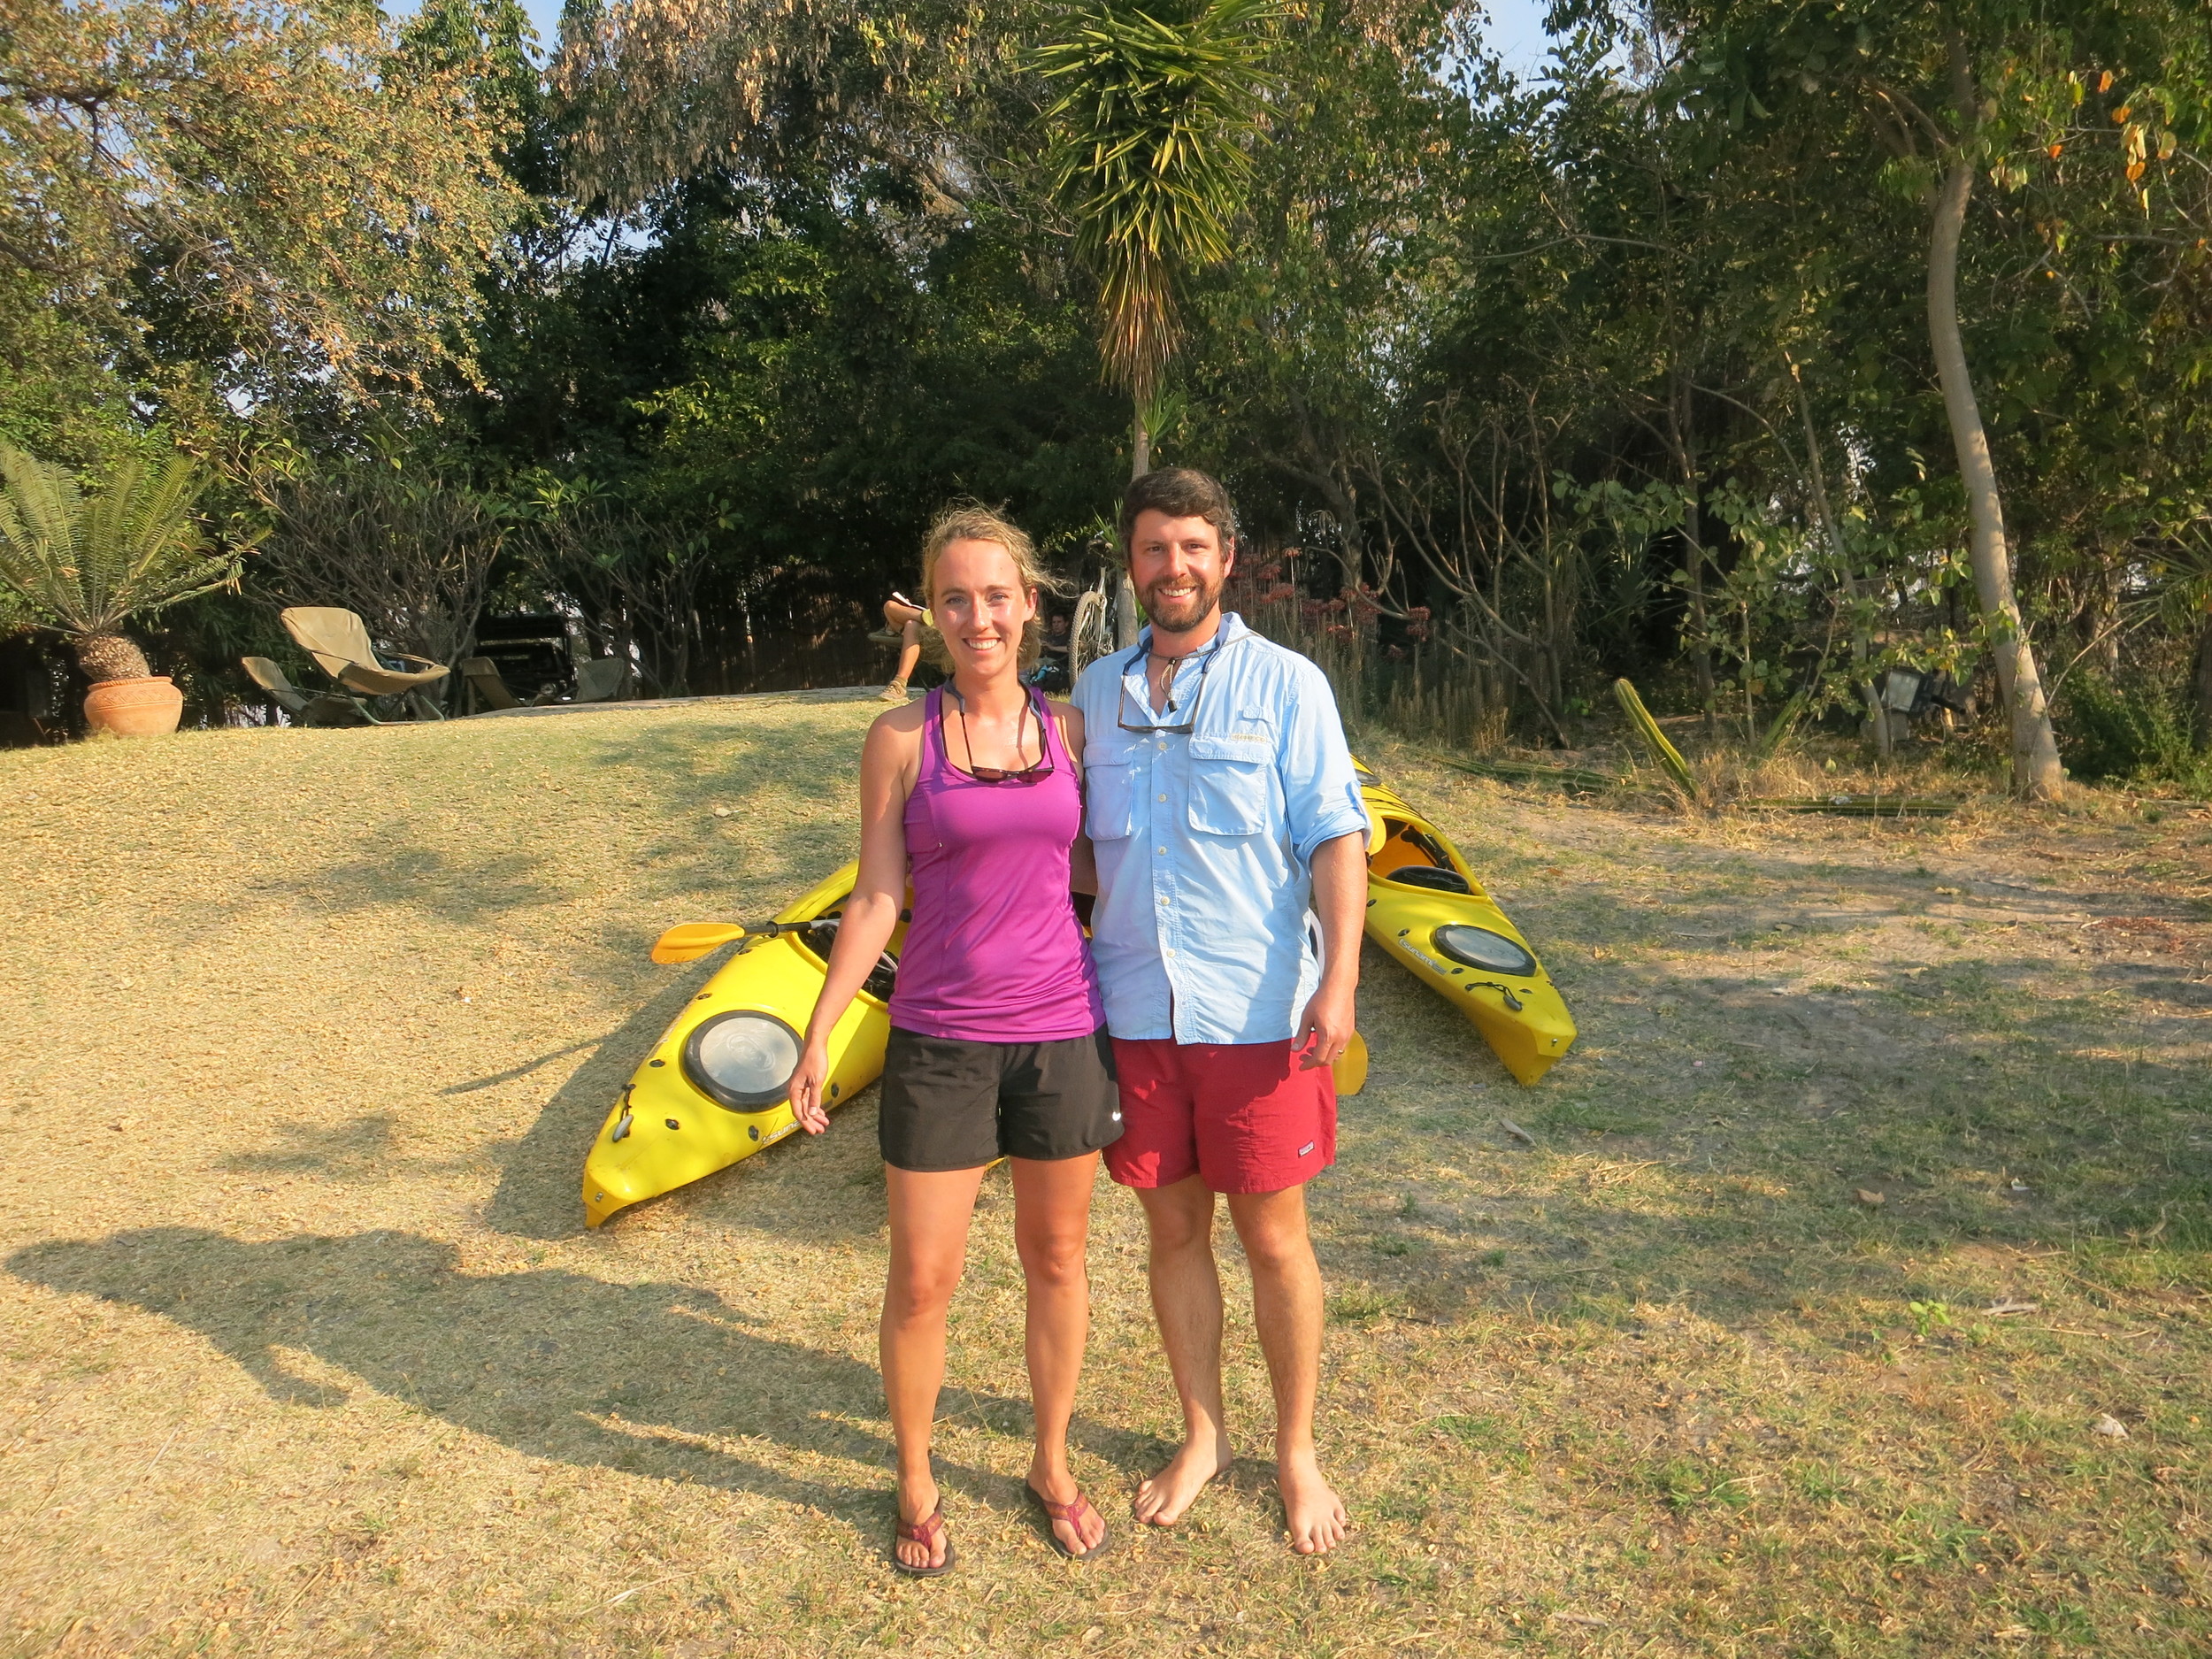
1287	1309
1187	1301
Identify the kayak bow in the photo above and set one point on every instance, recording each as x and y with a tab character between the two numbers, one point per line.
1427	907
712	1090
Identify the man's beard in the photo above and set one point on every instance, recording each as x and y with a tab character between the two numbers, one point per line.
1182	615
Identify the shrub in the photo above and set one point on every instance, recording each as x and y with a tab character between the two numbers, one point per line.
2135	731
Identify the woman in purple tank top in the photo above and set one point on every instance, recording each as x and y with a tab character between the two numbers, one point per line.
998	1047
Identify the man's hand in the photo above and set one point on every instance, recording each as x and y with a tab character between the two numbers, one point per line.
1339	899
1325	1031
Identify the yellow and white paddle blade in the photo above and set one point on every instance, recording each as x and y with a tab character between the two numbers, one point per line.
1349	1068
693	940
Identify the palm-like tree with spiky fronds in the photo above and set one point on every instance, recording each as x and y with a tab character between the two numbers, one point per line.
83	565
1149	160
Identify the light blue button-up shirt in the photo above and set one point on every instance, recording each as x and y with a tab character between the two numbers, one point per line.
1204	929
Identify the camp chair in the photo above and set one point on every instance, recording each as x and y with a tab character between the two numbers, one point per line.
309	708
490	686
482	677
600	678
338	642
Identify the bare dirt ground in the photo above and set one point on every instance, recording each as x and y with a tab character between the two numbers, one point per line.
303	1349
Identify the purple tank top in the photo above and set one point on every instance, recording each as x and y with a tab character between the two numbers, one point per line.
994	953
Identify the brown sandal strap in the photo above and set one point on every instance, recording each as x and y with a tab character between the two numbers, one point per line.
1072	1511
925	1530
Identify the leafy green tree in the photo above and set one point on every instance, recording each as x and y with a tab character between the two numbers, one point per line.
1949	95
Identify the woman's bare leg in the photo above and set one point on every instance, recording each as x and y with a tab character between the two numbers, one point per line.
929	1244
1052	1215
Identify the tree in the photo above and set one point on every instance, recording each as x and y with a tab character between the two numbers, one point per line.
241	204
412	555
1908	73
1148	161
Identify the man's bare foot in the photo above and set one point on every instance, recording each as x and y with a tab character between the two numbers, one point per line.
1162	1500
1314	1513
915	1508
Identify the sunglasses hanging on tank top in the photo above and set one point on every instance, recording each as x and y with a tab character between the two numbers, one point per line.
1036	772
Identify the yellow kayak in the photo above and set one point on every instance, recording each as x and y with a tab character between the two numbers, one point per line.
1425	907
712	1090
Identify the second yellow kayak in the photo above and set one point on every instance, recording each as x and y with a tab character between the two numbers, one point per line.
1427	908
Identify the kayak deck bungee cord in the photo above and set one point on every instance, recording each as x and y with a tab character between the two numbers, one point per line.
1427	907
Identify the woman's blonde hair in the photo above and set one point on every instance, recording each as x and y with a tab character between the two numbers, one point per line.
971	521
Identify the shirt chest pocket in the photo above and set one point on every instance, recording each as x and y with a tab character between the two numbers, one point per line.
1233	783
1110	796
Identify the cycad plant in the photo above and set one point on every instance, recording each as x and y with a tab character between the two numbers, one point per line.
83	565
1148	160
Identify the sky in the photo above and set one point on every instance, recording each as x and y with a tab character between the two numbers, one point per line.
1516	29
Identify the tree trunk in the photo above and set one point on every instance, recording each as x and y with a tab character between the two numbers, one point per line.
110	656
2036	771
1678	415
1140	448
2204	688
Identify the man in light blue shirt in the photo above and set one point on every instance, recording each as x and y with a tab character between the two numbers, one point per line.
1230	840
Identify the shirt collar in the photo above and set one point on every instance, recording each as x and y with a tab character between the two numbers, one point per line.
1231	630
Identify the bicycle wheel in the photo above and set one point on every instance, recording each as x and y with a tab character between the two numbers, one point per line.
1087	636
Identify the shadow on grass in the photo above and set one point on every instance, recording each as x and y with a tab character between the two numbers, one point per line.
370	1149
427	879
657	1380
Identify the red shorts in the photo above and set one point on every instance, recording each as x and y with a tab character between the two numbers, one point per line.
1242	1117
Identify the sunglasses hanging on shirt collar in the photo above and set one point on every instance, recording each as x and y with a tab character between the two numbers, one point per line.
1205	667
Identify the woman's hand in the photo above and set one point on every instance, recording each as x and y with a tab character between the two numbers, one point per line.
806	1088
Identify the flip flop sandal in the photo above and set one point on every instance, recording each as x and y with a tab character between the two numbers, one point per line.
924	1532
1072	1514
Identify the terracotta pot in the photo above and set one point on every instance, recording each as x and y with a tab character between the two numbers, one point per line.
148	707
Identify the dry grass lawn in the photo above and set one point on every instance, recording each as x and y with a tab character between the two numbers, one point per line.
303	1349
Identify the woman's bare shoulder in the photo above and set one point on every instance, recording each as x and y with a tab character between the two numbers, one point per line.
900	724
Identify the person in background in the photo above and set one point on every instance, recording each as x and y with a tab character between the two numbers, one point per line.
998	1045
1225	814
903	621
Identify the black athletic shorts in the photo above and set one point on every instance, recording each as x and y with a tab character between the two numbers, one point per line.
951	1103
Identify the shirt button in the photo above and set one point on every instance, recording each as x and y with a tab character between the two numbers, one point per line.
1162	797
1163	852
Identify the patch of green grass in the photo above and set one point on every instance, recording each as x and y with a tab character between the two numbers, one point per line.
1595	1117
1684	1484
